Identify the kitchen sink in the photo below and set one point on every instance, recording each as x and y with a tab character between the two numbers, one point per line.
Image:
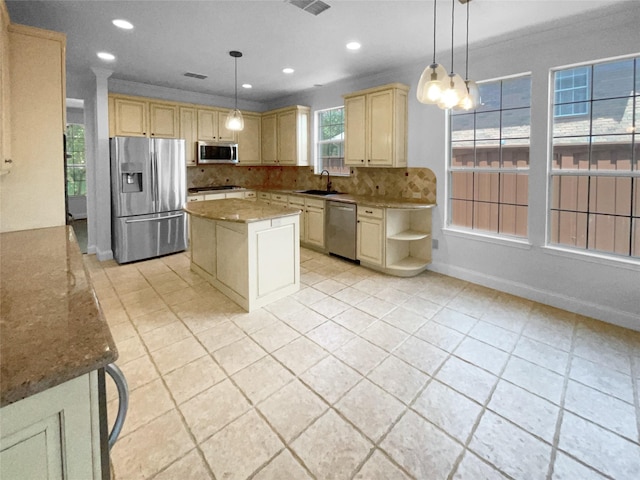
318	192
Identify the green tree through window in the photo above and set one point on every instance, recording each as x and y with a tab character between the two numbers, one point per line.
76	161
330	141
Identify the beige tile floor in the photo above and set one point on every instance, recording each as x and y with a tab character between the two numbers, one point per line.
364	376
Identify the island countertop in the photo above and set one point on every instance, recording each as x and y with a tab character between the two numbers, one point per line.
51	327
236	210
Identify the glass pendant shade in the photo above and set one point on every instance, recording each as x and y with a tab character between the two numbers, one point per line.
234	122
432	83
471	100
454	91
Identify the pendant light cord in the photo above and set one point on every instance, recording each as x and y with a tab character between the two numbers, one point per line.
453	9
467	67
236	82
435	4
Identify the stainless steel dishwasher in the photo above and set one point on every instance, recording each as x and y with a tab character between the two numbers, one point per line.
341	229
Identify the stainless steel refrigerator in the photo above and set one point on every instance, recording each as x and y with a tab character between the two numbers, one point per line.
148	192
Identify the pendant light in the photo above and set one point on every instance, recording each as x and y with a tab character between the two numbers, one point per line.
235	121
455	87
432	79
471	98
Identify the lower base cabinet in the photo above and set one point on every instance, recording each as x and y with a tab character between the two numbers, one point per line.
53	434
252	263
370	233
312	220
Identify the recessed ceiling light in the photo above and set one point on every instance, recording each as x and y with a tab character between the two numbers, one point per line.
247	85
353	46
106	56
118	22
288	70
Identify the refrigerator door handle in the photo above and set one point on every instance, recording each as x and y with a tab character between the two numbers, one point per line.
140	220
154	180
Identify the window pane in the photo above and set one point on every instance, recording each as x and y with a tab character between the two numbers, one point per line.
609	234
462	127
609	116
516	92
488	154
611	155
515	153
485	216
569	228
462	185
613	79
571	126
486	187
516	123
462	213
488	125
490	95
571	153
610	195
462	157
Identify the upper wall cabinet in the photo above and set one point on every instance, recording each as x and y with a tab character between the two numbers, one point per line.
376	127
189	131
211	126
249	151
285	136
137	117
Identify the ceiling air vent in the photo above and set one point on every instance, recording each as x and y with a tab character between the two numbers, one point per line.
315	7
195	75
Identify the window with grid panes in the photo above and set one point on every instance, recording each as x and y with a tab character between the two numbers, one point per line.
571	89
76	164
595	164
330	142
489	161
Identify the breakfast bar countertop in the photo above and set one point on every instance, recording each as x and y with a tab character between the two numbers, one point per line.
51	329
236	210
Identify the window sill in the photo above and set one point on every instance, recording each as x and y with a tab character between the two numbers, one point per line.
488	238
592	257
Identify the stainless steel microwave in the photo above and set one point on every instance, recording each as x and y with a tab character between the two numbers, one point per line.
217	152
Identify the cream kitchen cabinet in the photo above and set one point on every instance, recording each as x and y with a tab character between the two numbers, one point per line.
285	136
249	151
164	120
138	117
370	236
269	138
129	117
312	220
376	127
211	126
53	434
189	131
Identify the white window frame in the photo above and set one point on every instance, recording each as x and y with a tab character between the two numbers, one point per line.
568	250
490	236
317	167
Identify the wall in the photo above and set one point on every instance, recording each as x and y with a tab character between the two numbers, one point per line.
599	287
32	195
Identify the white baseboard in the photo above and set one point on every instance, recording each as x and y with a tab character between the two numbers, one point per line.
600	312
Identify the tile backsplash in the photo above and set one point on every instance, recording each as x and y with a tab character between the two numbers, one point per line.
390	182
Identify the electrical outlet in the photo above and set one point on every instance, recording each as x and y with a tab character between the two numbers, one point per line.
416	195
434	243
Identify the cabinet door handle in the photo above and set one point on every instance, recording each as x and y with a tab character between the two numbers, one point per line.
368	160
8	160
362	160
368	211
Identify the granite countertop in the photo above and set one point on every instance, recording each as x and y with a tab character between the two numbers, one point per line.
236	210
51	327
364	200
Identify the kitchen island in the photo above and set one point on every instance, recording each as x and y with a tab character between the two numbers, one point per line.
54	343
248	250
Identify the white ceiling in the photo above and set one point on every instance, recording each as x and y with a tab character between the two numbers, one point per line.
174	37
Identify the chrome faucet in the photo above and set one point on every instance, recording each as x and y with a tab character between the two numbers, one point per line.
328	179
